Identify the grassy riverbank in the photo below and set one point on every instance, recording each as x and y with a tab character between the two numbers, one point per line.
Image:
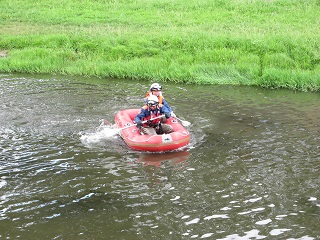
269	43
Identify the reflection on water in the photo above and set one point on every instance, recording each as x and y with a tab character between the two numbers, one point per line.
157	160
159	167
250	172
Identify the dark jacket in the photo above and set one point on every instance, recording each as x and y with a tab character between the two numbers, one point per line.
146	114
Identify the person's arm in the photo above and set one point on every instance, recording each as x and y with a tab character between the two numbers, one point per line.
164	110
139	117
166	104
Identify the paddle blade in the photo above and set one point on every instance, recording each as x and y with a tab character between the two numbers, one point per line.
185	123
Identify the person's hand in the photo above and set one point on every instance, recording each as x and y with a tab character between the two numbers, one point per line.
139	124
173	115
167	115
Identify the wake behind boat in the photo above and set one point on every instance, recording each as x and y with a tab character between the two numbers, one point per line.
179	138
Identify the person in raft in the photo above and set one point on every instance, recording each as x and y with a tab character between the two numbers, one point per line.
150	111
156	90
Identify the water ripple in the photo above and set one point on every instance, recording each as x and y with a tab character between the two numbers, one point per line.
251	171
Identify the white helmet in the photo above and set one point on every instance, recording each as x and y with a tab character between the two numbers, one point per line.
152	101
155	86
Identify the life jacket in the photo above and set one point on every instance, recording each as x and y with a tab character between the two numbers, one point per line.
160	98
153	114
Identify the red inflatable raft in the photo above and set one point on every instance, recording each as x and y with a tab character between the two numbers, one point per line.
152	143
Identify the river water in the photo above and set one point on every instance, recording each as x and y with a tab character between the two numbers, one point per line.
251	170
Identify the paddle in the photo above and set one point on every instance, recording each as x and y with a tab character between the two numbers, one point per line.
183	122
119	129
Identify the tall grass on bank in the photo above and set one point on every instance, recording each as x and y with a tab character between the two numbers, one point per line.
271	44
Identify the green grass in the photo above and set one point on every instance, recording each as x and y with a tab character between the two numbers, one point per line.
268	43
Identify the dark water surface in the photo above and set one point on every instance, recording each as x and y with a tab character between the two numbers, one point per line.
251	170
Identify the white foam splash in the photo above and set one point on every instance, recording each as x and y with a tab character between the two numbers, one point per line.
264	222
2	183
275	232
216	216
100	136
193	221
206	235
312	199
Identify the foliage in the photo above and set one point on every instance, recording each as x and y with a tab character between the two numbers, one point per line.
271	43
